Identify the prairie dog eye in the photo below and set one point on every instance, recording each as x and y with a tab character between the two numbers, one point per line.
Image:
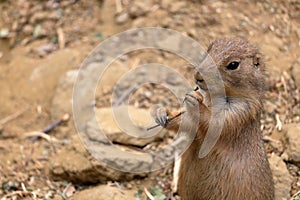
233	65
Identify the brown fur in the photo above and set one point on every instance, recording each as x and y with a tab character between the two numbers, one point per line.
237	167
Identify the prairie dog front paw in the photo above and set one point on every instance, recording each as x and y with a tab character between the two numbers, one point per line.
193	99
160	115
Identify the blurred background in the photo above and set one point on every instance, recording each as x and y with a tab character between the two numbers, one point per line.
43	43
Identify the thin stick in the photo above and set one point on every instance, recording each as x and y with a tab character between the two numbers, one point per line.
119	7
149	195
157	125
269	139
61	38
36	134
19	193
51	126
293	197
278	123
13	116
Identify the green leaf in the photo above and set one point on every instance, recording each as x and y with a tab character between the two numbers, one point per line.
138	194
99	35
158	193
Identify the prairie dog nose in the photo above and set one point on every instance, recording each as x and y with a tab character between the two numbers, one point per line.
198	77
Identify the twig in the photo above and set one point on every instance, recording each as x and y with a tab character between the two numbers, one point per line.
278	123
169	120
119	185
149	195
61	38
47	129
3	146
19	193
269	139
37	134
69	190
154	8
51	126
13	116
23	187
177	163
297	193
284	84
119	7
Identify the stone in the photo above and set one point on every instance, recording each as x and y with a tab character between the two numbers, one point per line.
62	100
28	29
38	16
176	7
165	3
109	192
269	107
73	163
139	8
119	130
105	160
4	32
292	137
122	18
278	143
45	76
281	176
273	73
296	73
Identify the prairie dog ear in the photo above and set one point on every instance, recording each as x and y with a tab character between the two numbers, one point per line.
257	61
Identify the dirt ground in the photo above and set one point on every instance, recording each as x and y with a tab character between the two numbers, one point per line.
42	41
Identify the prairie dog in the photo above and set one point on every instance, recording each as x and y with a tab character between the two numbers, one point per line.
237	166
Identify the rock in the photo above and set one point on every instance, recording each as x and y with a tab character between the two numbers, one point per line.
61	102
176	7
1	129
4	32
165	3
292	136
139	8
49	25
272	76
139	22
105	192
122	18
46	75
272	52
281	176
114	162
28	29
38	16
269	107
278	143
129	135
75	164
54	15
296	73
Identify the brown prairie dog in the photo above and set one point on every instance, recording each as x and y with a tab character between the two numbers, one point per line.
237	166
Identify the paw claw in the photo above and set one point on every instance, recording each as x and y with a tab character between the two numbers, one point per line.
161	117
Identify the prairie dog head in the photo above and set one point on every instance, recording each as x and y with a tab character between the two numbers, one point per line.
240	65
